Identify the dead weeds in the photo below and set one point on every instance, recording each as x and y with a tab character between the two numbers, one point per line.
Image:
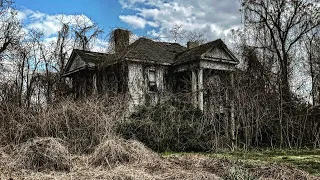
40	154
117	158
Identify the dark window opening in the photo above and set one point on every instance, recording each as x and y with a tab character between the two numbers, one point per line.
152	80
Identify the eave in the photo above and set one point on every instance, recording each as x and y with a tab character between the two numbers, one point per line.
86	67
147	62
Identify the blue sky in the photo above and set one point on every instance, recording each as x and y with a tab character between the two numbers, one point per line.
151	18
104	12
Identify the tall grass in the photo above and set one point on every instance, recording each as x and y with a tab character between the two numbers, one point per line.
165	127
82	124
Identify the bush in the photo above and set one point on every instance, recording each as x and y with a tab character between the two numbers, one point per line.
43	153
166	127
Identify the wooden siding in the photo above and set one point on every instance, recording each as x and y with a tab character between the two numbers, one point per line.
77	62
217	53
138	84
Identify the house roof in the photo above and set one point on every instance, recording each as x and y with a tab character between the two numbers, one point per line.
92	57
197	53
88	57
149	51
152	51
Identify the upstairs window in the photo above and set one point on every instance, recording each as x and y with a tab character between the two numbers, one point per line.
152	80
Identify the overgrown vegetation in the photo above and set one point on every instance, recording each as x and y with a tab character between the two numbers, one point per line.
32	150
42	129
82	124
170	128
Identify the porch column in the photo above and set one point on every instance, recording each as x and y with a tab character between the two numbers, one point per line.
94	83
200	89
232	109
194	89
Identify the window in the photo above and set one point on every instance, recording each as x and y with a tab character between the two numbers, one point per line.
152	80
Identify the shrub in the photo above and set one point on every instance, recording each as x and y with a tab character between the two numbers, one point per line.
166	127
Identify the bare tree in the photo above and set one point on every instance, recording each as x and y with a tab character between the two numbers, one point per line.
85	33
285	22
60	52
195	36
10	27
177	33
313	48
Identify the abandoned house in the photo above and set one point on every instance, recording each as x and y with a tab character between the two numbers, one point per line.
150	72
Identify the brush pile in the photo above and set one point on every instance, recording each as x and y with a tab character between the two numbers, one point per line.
117	151
40	154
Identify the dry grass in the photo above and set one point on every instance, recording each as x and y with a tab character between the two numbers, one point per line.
149	165
85	126
116	151
42	154
82	124
229	169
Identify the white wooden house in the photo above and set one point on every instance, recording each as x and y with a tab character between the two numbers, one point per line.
147	71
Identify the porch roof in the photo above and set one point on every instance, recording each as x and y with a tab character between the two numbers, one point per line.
200	52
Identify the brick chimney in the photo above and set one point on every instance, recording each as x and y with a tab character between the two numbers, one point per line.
121	39
191	45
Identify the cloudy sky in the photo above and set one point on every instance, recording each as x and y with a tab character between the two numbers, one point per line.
153	18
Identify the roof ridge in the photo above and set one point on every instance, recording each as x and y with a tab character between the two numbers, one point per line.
155	41
86	51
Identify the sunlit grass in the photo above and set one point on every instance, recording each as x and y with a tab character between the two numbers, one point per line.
307	160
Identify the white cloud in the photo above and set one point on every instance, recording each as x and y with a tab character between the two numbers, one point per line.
137	22
21	15
49	24
134	21
213	18
100	46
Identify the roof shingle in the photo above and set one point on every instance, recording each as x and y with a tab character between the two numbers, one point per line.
151	51
92	57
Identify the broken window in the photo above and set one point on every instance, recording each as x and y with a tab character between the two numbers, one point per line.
152	80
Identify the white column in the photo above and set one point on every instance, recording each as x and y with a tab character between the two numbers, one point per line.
94	83
200	89
194	89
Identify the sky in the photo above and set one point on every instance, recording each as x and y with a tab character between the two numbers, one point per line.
151	18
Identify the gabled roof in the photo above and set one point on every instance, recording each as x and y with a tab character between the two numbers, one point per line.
149	51
197	53
88	57
152	51
92	57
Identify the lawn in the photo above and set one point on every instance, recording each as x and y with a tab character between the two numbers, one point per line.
307	160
